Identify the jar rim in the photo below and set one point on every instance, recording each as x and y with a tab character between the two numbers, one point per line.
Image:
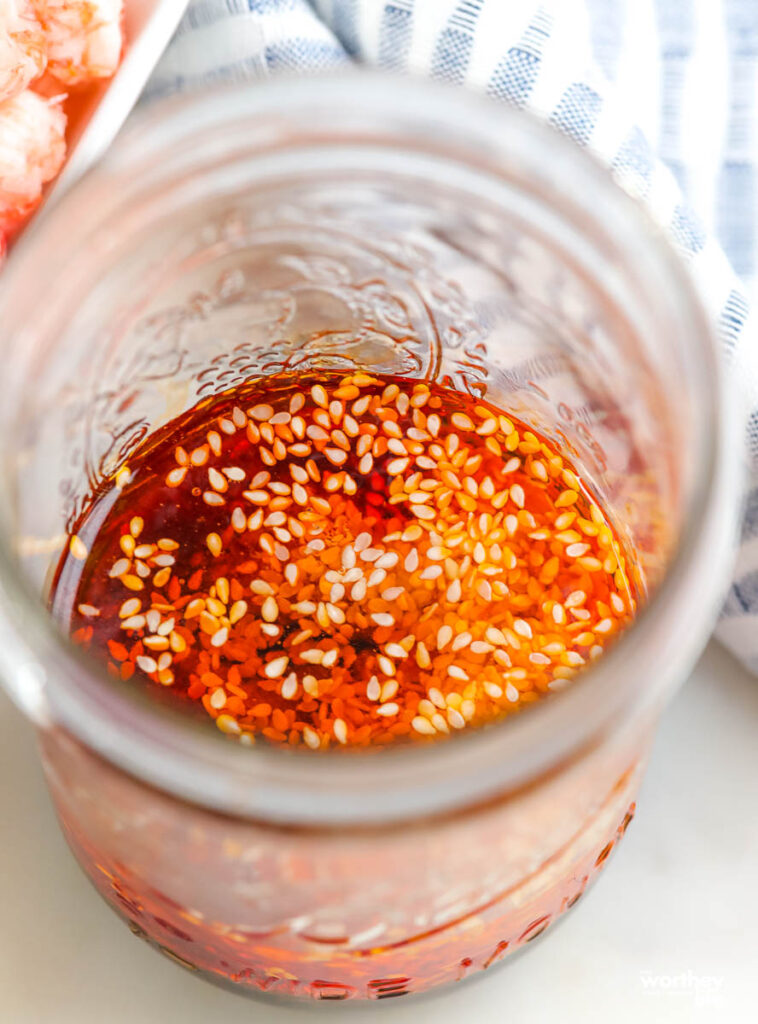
339	788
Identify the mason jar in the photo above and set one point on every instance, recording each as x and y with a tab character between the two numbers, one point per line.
345	222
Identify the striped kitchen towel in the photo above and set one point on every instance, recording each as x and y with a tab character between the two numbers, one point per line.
664	91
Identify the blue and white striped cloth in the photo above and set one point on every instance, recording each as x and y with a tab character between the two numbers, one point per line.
665	91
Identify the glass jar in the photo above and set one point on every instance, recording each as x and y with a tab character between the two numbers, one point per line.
342	222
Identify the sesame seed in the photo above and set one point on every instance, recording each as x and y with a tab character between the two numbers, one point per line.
435	696
78	548
220	637
397	466
130	607
166	628
177	643
335	614
340	730
217	480
164	660
228	725
133	622
289	687
444	636
461	641
261	412
176	476
432	572
311	738
577	550
386	667
389	690
423	726
455	719
276	668
411	562
468	709
568	497
218	698
373	689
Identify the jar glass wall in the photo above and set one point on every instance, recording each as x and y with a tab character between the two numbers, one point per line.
398	227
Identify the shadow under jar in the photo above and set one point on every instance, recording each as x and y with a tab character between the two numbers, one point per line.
394	226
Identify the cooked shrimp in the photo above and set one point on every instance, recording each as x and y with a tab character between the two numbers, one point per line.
23	51
32	150
84	37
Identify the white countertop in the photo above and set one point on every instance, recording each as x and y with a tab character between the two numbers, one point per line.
669	933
